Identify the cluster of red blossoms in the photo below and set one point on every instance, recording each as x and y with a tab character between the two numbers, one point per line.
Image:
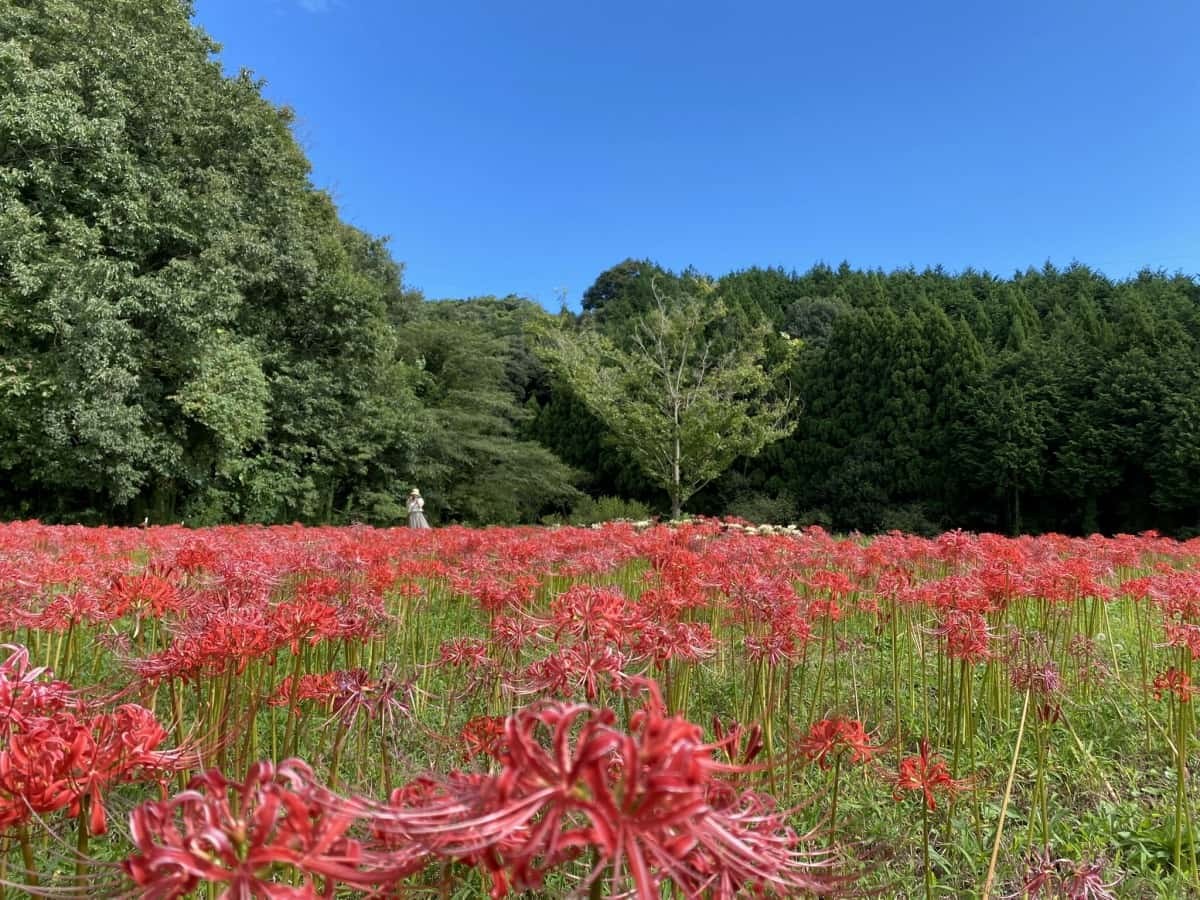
828	739
928	774
61	752
832	740
647	806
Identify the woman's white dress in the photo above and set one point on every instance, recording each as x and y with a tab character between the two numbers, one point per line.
416	518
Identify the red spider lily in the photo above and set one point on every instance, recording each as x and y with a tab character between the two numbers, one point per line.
774	648
1040	879
238	835
1040	679
928	774
1173	681
320	686
591	613
1184	635
828	739
1084	880
214	641
579	668
304	619
687	641
482	736
347	693
514	632
740	745
967	635
469	653
1045	876
53	762
27	690
147	592
642	799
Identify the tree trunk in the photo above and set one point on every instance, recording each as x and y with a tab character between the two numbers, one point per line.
676	488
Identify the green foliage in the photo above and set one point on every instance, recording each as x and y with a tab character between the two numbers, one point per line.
682	398
477	373
593	511
228	394
763	509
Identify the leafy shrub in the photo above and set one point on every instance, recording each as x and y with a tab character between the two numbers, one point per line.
592	510
820	517
763	509
912	518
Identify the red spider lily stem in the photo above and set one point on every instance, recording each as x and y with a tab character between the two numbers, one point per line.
1183	708
927	870
336	755
963	733
1012	771
81	843
1039	796
897	734
787	725
833	809
293	701
812	710
30	874
970	714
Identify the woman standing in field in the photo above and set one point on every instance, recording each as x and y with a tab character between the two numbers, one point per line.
416	516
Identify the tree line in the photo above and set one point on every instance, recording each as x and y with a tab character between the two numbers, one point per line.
189	332
1054	400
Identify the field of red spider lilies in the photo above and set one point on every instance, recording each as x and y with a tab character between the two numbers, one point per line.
679	711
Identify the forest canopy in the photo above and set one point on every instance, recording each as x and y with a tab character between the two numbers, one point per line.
190	332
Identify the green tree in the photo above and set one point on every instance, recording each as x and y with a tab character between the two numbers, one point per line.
186	328
475	463
679	396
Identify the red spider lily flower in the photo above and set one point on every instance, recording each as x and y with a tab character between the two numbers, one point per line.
686	641
927	774
1040	878
469	653
54	762
774	648
1041	679
966	634
1184	635
651	801
1045	876
592	613
304	619
347	693
1084	880
1173	681
237	835
482	736
319	686
579	668
740	745
828	739
147	592
514	632
27	690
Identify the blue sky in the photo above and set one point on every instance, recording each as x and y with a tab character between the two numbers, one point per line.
524	147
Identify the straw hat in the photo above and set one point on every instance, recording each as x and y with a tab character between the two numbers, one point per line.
414	493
